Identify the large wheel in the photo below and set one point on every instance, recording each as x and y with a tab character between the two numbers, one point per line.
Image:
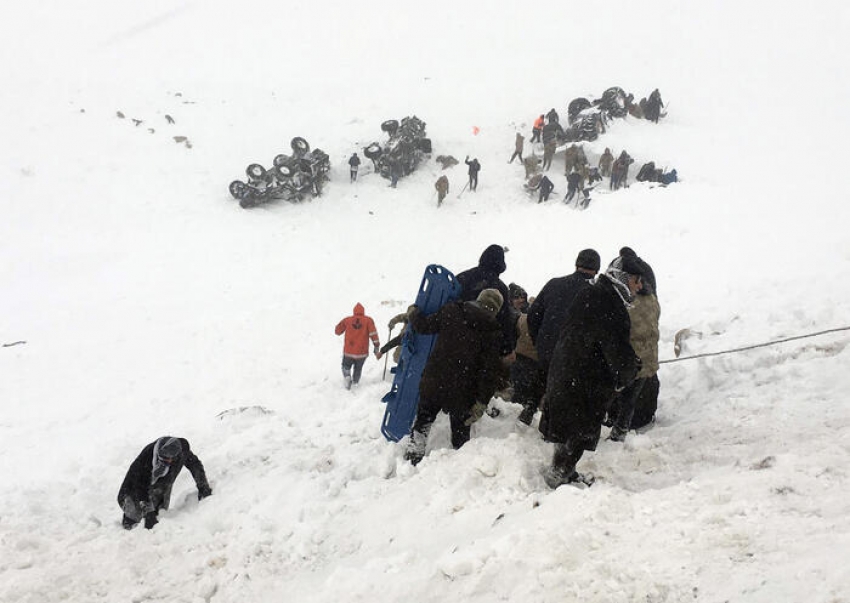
283	171
390	126
299	146
255	171
373	151
280	160
238	189
424	145
575	107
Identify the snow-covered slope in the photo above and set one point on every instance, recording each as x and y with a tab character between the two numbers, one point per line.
151	304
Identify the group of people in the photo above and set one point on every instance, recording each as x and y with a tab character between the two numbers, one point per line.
583	352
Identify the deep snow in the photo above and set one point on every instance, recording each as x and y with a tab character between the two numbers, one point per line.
152	304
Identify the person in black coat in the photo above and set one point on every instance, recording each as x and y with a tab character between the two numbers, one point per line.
463	370
147	486
486	276
592	360
354	164
648	277
474	168
548	313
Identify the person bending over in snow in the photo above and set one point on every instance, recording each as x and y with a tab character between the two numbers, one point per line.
463	370
358	329
147	486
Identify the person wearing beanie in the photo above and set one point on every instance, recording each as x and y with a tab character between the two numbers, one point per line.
591	361
147	486
359	330
486	276
463	370
549	310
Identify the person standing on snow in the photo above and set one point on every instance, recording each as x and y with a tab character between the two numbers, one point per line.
442	186
359	329
474	168
486	276
592	360
605	162
636	405
537	129
518	145
354	165
463	370
147	486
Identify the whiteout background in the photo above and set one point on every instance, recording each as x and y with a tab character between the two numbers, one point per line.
150	302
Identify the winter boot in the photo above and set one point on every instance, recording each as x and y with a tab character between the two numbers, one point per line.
416	447
348	382
527	415
617	434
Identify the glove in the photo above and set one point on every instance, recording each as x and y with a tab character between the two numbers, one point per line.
475	413
204	491
150	520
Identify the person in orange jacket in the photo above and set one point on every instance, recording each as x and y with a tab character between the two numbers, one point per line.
358	329
537	129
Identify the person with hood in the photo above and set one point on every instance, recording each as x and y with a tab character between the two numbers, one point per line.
636	405
552	116
548	313
486	276
354	164
605	162
147	486
359	329
518	145
462	372
474	168
620	171
592	360
653	106
537	129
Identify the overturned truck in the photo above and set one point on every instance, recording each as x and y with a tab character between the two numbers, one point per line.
405	149
291	177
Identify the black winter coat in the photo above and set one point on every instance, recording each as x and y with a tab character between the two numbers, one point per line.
464	366
592	358
486	276
474	167
354	161
137	482
548	313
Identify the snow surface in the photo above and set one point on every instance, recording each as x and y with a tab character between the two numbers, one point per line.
151	304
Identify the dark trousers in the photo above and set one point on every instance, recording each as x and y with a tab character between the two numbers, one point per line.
528	380
535	135
357	363
427	414
625	409
566	457
473	181
515	155
353	174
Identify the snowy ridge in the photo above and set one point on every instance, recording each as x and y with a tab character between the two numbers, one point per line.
152	304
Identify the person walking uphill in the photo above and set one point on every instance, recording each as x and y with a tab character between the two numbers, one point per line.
474	168
354	164
359	329
462	371
147	486
592	359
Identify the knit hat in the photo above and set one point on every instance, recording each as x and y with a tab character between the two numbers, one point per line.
491	300
588	259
